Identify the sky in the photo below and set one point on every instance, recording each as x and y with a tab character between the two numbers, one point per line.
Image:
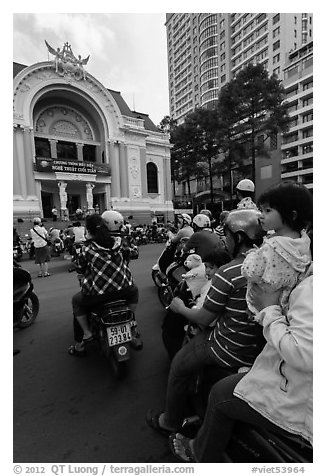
127	51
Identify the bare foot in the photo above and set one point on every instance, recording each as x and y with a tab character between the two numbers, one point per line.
183	448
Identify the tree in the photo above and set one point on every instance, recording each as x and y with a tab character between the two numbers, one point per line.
252	104
167	124
195	146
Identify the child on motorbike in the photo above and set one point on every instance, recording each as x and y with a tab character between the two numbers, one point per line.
106	277
282	260
174	324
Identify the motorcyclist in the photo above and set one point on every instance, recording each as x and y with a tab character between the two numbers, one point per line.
54	236
245	191
234	342
208	213
106	277
204	241
185	229
176	244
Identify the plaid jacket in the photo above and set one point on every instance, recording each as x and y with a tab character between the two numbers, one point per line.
105	271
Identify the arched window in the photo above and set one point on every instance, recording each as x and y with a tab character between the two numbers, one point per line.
152	183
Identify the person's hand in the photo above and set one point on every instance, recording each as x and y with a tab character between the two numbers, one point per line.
262	299
177	305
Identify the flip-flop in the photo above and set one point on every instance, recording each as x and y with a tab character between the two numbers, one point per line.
152	420
189	456
89	339
75	352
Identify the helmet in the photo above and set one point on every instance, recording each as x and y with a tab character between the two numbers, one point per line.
245	220
186	218
37	220
113	220
201	220
207	213
246	185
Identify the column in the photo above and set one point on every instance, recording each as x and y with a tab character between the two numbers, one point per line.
63	199
123	170
53	148
30	182
143	171
17	185
167	179
80	152
98	154
89	196
19	147
115	170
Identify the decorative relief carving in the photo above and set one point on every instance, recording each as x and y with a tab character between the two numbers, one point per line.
136	192
65	128
63	121
134	167
25	87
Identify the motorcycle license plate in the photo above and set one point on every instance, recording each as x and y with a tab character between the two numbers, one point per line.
119	334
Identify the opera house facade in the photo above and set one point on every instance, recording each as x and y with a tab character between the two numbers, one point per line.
77	144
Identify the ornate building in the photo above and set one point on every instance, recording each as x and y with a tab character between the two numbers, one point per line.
78	145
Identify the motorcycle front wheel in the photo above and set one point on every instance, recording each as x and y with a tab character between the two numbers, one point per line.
30	312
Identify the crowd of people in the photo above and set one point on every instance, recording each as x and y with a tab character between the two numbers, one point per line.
253	315
255	325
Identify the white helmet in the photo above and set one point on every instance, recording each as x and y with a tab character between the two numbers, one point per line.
246	185
186	218
201	220
113	220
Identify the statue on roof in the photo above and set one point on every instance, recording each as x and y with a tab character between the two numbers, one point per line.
66	63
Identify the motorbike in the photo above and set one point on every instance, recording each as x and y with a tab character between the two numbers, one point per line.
17	252
111	325
167	272
248	444
25	302
57	247
75	250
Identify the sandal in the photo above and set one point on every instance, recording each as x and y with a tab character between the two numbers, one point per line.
88	339
47	274
40	275
189	456
152	420
75	352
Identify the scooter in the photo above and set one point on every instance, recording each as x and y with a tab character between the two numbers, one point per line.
25	302
111	324
248	444
167	272
17	252
57	247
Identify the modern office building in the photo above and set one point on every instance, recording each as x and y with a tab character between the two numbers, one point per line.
206	50
78	145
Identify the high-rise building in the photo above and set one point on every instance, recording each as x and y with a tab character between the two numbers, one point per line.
297	144
206	50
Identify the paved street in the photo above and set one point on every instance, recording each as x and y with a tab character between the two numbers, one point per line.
68	409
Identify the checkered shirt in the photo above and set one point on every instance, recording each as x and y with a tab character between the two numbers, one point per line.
105	271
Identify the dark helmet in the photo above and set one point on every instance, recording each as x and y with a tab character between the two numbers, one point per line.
245	220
